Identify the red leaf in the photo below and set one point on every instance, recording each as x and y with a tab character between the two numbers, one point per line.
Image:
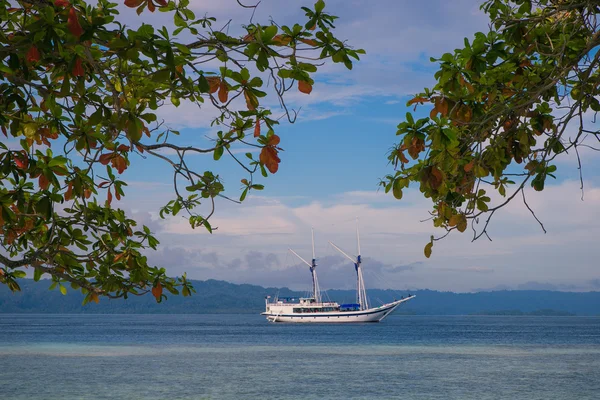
33	55
61	3
133	3
151	6
43	182
78	68
123	147
105	158
257	128
117	194
22	161
73	23
163	3
304	87
108	198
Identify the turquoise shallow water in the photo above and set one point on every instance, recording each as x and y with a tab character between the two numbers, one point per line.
244	357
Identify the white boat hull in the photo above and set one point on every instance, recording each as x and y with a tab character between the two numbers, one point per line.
376	314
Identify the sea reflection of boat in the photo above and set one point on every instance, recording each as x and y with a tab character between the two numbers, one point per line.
314	309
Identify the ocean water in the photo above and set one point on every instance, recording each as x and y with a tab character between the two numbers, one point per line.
244	357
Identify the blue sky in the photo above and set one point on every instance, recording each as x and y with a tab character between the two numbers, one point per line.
334	156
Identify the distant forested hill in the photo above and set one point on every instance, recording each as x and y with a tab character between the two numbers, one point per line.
223	297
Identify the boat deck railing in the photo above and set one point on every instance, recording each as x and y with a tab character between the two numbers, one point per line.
281	303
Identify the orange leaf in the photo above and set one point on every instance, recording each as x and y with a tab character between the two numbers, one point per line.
310	42
251	100
213	83
417	145
94	298
468	167
419	100
163	3
117	194
78	68
43	182
119	163
304	87
280	40
157	291
274	140
73	23
435	178
33	55
444	107
223	91
108	198
257	128
69	192
269	158
133	3
151	6
402	157
465	113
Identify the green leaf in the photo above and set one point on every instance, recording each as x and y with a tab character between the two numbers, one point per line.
319	6
37	274
218	152
427	249
397	189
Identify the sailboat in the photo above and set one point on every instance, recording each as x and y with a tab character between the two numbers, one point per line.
314	309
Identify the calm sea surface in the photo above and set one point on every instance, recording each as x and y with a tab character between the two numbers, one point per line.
244	357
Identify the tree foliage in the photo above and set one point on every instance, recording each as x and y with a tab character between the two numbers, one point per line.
503	109
80	99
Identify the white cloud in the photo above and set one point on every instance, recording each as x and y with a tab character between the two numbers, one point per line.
392	233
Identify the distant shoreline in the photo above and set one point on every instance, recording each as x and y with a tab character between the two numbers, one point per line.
220	297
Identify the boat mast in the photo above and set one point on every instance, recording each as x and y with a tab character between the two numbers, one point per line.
313	269
360	280
361	293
